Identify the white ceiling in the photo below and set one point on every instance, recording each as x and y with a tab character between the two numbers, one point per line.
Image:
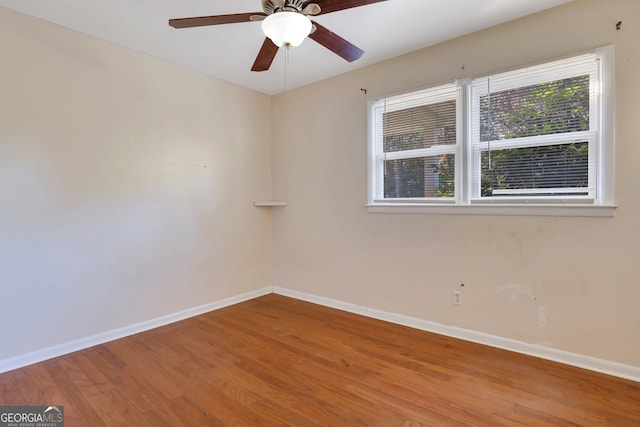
383	30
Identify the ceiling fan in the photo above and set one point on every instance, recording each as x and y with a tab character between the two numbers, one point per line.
284	10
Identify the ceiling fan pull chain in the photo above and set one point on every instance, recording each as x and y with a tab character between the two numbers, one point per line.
286	66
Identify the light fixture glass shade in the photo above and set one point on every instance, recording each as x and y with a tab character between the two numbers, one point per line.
286	28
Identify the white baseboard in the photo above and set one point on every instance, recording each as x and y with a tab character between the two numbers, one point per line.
568	358
82	343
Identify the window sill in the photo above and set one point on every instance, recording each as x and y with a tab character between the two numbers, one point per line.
576	210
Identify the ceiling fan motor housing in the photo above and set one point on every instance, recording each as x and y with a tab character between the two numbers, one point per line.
275	6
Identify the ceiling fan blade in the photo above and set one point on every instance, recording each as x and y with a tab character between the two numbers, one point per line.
328	6
212	20
266	55
335	43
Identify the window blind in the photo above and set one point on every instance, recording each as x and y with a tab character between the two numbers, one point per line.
534	130
416	144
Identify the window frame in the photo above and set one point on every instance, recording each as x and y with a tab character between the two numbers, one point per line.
466	200
429	96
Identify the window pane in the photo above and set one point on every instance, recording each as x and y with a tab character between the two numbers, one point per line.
420	127
431	176
555	107
534	171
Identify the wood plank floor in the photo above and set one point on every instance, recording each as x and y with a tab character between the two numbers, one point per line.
275	361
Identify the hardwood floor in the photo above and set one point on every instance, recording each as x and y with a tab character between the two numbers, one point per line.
275	361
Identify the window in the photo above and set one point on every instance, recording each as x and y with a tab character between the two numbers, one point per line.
535	136
416	143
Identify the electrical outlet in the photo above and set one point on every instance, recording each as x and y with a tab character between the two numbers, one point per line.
457	297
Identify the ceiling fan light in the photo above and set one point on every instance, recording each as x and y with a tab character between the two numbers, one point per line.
286	28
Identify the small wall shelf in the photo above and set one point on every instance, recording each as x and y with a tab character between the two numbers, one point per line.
271	203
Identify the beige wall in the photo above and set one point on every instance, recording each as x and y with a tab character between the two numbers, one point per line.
570	284
126	187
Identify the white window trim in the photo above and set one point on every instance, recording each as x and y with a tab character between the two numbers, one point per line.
575	210
463	204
